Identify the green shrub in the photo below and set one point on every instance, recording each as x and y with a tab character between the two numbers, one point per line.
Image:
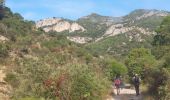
30	98
12	79
112	68
3	50
140	61
36	78
77	82
160	82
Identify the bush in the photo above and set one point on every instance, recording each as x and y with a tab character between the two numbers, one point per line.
31	98
77	82
140	61
113	68
159	84
36	78
3	50
12	79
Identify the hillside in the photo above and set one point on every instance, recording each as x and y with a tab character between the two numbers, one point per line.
134	31
150	19
116	35
96	25
36	65
120	45
60	59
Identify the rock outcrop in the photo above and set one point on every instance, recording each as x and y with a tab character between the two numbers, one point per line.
81	40
141	21
58	25
152	13
3	39
120	28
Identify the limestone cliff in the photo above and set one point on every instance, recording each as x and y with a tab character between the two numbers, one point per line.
81	40
58	25
120	28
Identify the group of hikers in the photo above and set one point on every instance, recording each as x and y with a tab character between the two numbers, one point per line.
118	83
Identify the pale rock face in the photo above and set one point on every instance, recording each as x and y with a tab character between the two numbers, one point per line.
81	40
124	43
47	22
61	26
130	38
157	13
75	27
98	39
121	29
3	39
58	25
115	30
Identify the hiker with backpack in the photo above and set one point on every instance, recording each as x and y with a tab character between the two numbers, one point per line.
136	81
122	85
117	83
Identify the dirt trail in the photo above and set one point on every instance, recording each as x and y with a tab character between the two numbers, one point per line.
4	87
126	94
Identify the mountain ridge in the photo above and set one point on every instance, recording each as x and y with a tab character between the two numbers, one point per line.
97	18
97	26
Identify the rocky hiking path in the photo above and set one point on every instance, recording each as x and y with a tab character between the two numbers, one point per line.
4	87
126	94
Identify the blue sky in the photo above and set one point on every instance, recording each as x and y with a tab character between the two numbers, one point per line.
73	9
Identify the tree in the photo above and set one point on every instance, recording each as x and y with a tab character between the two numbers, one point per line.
111	68
161	41
160	81
162	38
140	61
2	3
3	50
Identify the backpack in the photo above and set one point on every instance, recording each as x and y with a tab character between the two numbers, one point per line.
117	82
136	80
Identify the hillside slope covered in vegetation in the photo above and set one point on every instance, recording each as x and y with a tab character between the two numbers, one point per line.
44	65
49	66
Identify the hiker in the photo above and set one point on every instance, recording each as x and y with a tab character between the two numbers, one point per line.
117	83
136	81
121	82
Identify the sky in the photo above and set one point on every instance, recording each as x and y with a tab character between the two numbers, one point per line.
74	9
